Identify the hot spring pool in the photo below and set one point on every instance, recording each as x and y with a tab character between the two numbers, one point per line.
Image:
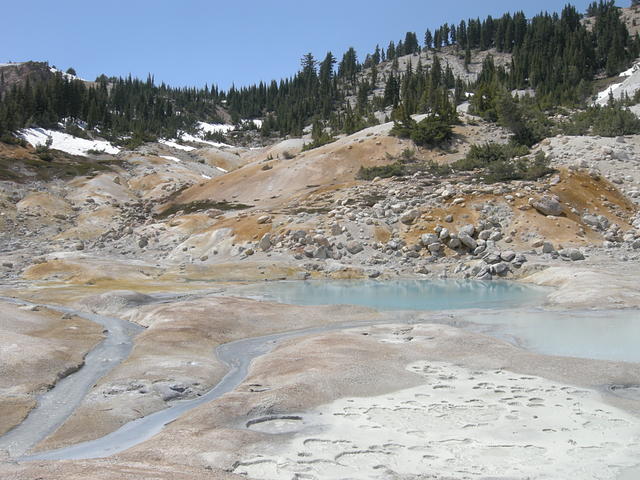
405	294
505	310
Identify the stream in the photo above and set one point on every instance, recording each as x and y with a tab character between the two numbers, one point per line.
56	405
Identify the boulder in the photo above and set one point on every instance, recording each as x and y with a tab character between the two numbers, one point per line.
468	229
547	205
454	243
354	247
409	216
265	242
428	238
435	248
572	254
508	256
501	269
467	240
597	222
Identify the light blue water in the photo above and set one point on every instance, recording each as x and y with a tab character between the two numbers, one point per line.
603	335
510	311
405	294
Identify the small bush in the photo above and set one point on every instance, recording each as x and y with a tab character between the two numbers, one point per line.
93	151
396	169
502	163
287	155
12	140
76	131
610	121
432	131
325	140
215	136
137	140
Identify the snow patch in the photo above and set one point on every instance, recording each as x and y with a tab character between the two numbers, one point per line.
222	170
187	137
169	157
628	87
603	96
65	142
215	127
177	146
65	75
631	71
206	177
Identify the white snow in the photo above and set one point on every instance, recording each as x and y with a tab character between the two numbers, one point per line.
65	75
207	177
65	142
215	127
169	157
177	146
222	170
9	64
603	96
187	137
631	71
628	87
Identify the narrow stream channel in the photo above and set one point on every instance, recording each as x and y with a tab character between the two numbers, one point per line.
56	405
236	355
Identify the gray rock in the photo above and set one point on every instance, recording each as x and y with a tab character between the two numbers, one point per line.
508	255
501	269
435	248
321	240
454	243
265	242
496	236
409	217
572	254
468	229
467	240
354	247
484	234
428	238
143	242
547	205
547	247
598	222
264	219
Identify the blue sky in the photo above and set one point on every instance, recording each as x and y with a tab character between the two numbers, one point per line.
193	42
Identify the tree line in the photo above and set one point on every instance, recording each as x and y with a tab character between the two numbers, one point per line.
558	55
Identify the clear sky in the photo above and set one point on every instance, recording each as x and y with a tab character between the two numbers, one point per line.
193	42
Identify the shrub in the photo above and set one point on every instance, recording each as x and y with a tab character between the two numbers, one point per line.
501	163
44	152
396	169
12	140
610	121
432	131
